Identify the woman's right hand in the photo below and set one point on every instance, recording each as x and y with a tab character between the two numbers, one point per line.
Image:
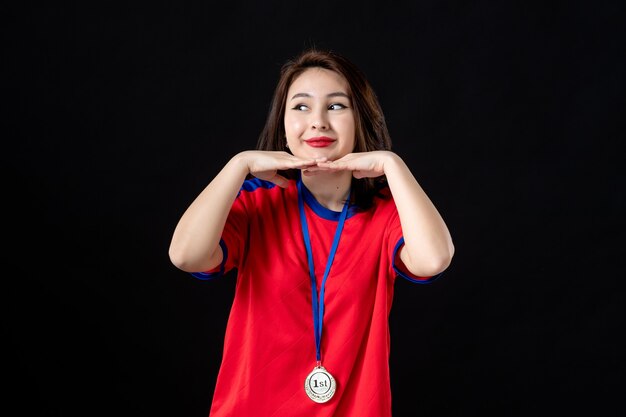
266	164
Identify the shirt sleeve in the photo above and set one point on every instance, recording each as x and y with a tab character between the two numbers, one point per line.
396	242
232	241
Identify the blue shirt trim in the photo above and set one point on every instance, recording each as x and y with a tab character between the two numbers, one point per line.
404	274
320	210
254	183
207	276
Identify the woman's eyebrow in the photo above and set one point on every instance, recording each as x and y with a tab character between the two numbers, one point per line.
307	95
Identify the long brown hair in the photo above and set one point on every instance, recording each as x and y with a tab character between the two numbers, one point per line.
371	132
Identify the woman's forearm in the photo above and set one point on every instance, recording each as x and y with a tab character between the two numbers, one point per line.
195	243
428	247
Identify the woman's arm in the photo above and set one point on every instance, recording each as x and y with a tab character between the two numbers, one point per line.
428	247
195	243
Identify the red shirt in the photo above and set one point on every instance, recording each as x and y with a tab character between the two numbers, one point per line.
269	347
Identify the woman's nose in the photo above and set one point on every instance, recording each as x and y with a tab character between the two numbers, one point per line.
319	121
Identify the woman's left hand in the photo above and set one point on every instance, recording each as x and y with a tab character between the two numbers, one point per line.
362	164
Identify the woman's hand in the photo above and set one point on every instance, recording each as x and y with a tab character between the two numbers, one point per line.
266	164
362	164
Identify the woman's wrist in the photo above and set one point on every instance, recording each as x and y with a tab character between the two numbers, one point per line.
241	162
391	162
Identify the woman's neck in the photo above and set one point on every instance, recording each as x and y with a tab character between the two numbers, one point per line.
329	189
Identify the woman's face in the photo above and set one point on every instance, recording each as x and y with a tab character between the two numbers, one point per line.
319	121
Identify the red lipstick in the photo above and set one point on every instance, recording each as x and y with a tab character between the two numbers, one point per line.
320	141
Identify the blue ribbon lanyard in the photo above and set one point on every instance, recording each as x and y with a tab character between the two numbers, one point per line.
318	302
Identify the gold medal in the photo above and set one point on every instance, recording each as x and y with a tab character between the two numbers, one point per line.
320	385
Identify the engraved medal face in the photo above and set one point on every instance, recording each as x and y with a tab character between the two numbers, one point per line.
320	385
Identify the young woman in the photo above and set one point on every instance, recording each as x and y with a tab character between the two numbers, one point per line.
318	222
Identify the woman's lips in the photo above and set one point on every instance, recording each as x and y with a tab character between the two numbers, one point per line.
320	142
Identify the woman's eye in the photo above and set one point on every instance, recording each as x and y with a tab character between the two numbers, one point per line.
337	106
300	107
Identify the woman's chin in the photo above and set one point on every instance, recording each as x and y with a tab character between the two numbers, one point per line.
320	155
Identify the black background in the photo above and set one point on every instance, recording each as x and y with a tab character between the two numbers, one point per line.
510	114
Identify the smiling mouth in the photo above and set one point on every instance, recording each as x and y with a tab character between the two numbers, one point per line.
320	142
